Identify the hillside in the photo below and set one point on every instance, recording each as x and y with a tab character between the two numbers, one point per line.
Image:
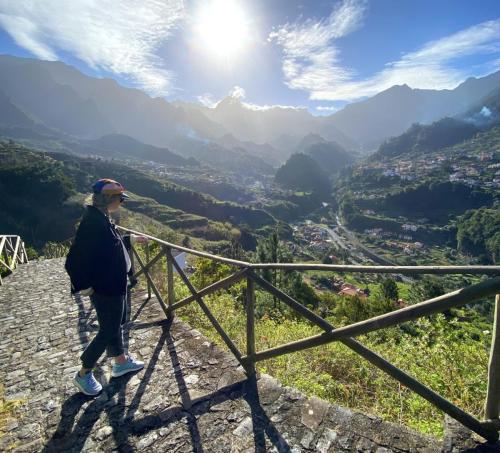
65	99
486	112
302	172
34	183
265	125
424	138
415	191
394	110
330	156
62	101
45	102
117	145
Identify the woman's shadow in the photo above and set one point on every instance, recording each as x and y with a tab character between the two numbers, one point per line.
71	437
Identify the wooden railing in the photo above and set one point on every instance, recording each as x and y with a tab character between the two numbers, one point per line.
490	286
12	252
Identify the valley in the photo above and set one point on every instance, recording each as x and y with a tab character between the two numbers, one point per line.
281	185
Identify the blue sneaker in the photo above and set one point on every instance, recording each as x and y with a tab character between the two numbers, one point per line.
127	367
87	384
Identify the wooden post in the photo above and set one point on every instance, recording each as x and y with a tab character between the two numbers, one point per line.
2	242
170	283
132	258
147	261
153	286
24	257
250	311
15	252
492	407
230	344
7	250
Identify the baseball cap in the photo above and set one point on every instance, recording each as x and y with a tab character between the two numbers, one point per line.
109	187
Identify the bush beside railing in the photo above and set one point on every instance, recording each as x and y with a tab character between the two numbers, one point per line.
247	272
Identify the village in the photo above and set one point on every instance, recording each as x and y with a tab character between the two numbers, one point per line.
464	166
317	240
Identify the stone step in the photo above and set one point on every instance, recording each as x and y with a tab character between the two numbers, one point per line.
191	396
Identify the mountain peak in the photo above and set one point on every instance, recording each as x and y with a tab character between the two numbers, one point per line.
398	88
309	140
229	102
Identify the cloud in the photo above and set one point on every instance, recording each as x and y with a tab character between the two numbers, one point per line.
207	99
237	93
250	106
117	37
327	108
310	60
485	111
311	57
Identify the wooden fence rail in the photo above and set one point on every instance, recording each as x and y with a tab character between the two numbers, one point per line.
487	428
12	252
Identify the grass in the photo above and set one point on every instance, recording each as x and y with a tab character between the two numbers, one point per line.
8	414
448	355
456	369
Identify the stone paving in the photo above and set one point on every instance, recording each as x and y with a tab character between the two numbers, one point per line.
191	395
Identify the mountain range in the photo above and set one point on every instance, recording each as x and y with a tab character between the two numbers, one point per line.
52	99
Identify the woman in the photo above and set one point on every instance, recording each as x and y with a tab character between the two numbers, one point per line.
98	264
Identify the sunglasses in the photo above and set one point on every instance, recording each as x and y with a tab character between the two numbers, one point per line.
122	199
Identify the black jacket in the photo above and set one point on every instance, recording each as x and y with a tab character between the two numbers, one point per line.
96	257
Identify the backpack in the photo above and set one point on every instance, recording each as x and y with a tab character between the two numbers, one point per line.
76	266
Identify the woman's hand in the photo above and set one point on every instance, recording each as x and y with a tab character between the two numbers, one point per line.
135	238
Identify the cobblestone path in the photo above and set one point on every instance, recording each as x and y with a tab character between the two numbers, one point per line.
191	395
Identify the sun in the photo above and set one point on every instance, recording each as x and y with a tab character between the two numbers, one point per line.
222	28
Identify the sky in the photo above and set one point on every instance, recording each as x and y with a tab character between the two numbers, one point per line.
318	55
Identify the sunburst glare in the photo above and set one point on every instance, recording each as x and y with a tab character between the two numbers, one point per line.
222	28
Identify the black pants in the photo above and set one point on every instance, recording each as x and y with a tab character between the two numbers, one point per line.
111	315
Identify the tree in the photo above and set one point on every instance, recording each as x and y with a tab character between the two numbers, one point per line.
478	232
427	288
186	241
389	289
352	308
235	250
272	250
327	259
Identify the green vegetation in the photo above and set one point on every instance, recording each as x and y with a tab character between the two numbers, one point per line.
435	201
301	172
478	232
389	289
34	184
430	186
8	414
165	192
330	156
448	353
440	134
272	250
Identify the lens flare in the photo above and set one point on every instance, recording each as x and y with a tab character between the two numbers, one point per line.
222	28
